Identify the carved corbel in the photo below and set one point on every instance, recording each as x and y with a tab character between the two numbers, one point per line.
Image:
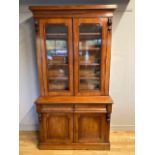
36	26
108	117
109	24
39	117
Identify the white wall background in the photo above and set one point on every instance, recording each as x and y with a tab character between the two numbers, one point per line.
122	64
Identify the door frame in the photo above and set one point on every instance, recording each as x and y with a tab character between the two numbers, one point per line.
67	22
76	24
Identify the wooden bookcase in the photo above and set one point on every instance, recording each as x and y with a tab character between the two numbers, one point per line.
73	55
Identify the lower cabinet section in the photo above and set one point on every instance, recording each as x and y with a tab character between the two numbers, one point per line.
74	126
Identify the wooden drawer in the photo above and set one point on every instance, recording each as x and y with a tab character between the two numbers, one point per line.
54	108
87	108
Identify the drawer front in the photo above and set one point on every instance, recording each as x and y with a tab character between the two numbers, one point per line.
54	108
87	108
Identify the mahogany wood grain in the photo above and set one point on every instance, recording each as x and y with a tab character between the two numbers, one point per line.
108	57
107	123
90	127
57	127
67	108
73	7
76	55
71	14
39	59
87	108
74	99
73	119
64	11
67	124
74	146
90	123
103	56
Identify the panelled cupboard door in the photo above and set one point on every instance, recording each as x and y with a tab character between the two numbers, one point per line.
56	127
90	128
89	55
57	55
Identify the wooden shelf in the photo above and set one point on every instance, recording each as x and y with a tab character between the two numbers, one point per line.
91	37
88	89
90	49
57	64
62	36
89	78
90	34
58	78
56	34
58	90
58	49
56	38
88	64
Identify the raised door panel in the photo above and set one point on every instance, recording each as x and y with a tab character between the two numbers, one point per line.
56	124
57	55
59	127
90	126
90	55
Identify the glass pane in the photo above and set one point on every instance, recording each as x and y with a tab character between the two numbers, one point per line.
57	57
89	56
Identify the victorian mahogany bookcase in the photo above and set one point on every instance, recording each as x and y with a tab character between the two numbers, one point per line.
73	55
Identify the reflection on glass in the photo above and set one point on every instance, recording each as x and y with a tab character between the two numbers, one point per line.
89	56
57	56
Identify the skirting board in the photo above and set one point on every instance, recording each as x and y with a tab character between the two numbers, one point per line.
34	127
122	128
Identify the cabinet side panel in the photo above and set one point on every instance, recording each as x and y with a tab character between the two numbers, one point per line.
103	55
39	58
108	56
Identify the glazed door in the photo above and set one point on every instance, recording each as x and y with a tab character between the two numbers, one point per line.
89	55
56	46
